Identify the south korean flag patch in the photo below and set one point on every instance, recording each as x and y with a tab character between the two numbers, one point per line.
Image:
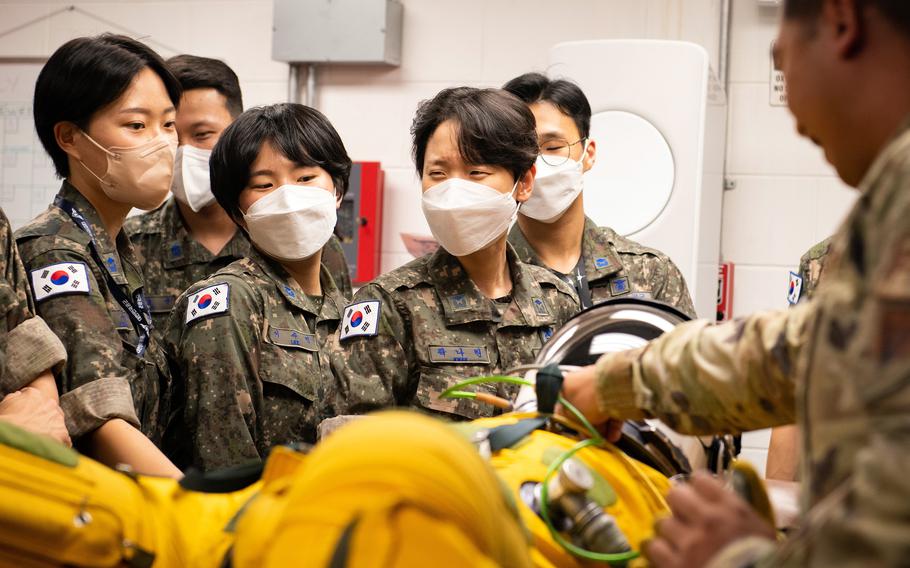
360	319
795	288
209	301
61	278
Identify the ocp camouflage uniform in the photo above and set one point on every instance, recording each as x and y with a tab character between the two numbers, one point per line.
334	260
430	327
840	363
103	378
616	266
27	344
810	268
253	373
173	259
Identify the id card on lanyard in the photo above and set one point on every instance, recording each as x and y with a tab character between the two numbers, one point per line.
136	307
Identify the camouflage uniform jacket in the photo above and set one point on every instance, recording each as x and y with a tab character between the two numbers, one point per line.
430	326
840	363
334	260
104	378
174	260
28	345
616	266
810	267
252	372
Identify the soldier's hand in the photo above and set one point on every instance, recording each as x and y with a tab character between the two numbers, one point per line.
706	518
31	410
579	388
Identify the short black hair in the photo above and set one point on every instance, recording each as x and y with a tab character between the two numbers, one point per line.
897	12
564	95
196	72
494	128
303	134
85	75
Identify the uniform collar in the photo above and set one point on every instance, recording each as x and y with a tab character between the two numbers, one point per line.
597	249
180	249
332	301
113	252
463	302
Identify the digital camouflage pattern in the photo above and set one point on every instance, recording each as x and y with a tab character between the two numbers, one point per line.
436	328
173	259
103	377
255	376
840	363
810	267
27	344
617	266
337	264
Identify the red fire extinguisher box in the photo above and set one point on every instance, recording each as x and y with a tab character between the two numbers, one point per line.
359	225
725	291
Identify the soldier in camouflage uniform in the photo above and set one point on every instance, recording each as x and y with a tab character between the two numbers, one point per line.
614	266
839	363
552	229
189	237
782	454
419	329
810	268
169	238
86	279
435	327
250	345
29	350
256	374
173	259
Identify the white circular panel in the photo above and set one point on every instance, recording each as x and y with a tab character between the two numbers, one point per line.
632	179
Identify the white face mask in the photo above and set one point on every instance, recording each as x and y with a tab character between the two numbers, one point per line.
465	216
191	185
555	189
293	222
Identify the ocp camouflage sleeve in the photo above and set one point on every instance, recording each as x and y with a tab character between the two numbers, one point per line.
377	371
702	378
213	361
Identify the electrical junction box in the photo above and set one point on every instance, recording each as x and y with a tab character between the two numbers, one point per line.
337	31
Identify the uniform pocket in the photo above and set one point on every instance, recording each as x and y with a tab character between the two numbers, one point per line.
291	369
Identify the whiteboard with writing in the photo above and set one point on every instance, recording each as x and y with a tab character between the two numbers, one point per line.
27	180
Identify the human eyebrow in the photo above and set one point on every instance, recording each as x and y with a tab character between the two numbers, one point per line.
261	173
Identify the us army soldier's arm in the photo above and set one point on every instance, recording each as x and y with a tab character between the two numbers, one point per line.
94	385
215	361
701	378
374	368
866	521
675	291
